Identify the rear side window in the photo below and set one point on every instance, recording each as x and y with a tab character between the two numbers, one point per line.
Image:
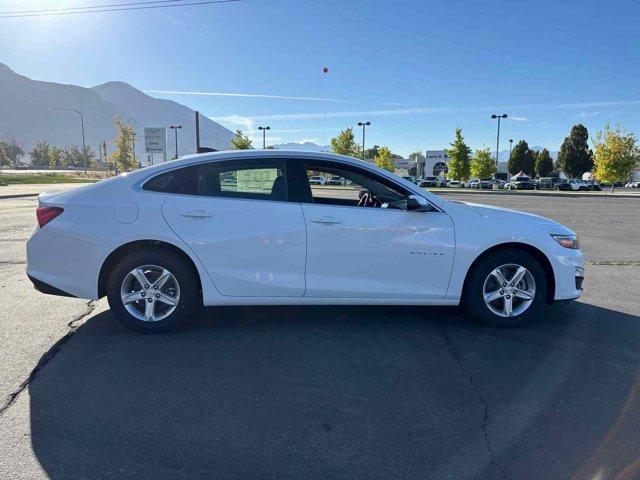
181	180
257	180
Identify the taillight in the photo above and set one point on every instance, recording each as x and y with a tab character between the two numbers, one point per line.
46	214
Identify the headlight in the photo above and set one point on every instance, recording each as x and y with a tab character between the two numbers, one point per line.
568	241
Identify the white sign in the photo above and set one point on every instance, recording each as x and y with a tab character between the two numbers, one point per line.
155	140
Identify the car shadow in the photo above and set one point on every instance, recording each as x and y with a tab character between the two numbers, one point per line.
341	392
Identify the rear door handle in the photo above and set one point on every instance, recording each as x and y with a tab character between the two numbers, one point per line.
326	220
197	214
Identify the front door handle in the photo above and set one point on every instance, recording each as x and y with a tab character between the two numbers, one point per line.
326	220
196	214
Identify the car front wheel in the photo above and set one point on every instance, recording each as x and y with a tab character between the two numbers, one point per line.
152	290
505	288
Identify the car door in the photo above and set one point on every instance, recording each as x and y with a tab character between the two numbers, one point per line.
240	224
362	242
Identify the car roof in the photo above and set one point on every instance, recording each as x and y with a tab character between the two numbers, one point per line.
138	177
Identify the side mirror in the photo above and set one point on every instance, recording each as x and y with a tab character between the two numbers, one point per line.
416	203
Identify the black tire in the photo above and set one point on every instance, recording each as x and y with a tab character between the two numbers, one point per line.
473	295
184	274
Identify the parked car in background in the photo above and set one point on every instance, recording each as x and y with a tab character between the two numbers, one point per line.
562	185
593	185
473	183
633	184
577	184
335	181
428	182
316	180
163	241
486	184
454	184
548	183
521	183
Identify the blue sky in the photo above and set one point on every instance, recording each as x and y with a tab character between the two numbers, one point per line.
416	69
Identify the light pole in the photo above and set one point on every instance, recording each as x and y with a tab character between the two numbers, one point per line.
175	128
84	150
363	125
494	116
264	136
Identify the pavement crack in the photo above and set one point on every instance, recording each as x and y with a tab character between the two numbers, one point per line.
13	262
457	357
72	325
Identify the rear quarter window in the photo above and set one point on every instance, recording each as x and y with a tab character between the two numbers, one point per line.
180	180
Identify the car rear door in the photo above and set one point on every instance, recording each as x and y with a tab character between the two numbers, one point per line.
364	251
240	224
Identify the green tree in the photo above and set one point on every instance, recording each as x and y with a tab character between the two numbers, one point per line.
483	165
575	156
543	163
459	163
122	156
521	159
616	155
385	159
371	153
40	154
14	151
4	158
55	157
345	144
240	141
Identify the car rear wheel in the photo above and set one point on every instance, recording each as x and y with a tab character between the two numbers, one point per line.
505	288
152	290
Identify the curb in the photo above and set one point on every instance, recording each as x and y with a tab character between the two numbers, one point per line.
19	195
533	193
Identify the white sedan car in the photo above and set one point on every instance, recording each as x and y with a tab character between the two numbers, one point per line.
162	241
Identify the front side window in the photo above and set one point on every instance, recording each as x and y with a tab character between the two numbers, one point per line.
337	185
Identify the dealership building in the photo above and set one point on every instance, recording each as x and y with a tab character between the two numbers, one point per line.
434	164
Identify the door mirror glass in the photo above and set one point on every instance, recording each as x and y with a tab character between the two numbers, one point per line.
416	203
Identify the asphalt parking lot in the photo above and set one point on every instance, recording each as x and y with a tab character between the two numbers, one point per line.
330	392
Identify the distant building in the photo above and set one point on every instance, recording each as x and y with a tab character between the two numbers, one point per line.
435	164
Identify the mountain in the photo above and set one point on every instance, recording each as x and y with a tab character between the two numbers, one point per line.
26	114
503	155
305	147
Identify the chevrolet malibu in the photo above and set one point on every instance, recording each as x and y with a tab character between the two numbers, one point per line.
250	228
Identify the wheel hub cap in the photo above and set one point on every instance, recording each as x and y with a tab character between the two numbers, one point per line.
509	290
150	293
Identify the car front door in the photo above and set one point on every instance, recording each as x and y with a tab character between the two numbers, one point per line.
239	223
362	241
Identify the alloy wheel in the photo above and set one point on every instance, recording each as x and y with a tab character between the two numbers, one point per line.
150	293
509	290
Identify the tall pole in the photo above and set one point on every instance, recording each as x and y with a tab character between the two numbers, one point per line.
133	145
175	128
364	126
499	117
510	146
264	136
197	132
325	70
84	148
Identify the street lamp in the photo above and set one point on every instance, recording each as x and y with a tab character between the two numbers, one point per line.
84	150
264	136
494	116
363	125
175	128
510	146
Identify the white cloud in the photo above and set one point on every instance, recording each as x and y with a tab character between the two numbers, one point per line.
430	110
244	95
584	114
